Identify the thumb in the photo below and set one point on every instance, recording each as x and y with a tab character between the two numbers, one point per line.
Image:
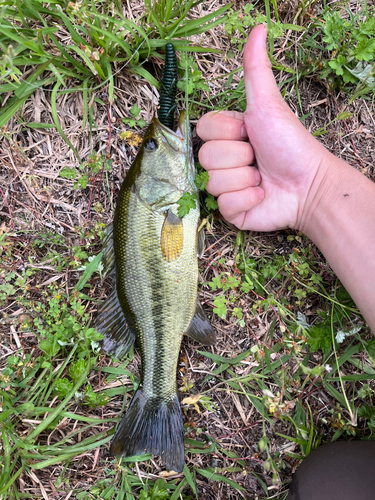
260	83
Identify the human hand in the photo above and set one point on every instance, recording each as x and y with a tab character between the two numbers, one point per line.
291	162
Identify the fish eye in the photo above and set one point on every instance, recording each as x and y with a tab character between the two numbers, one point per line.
151	144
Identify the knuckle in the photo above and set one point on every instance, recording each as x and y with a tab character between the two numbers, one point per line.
231	128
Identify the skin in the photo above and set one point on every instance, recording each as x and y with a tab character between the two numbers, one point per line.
297	184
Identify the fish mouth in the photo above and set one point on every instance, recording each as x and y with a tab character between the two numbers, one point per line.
176	140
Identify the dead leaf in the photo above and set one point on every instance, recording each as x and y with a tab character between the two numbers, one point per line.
192	400
167	473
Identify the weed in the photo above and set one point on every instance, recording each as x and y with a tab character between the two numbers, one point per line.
192	79
94	164
341	50
134	121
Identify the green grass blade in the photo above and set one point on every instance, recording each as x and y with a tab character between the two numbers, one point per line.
88	272
56	120
5	488
190	480
336	394
22	93
36	126
210	474
176	494
139	70
47	421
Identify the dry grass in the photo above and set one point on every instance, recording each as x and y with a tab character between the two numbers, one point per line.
35	199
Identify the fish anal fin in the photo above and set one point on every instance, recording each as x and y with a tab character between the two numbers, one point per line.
200	328
111	322
201	242
172	237
108	259
152	425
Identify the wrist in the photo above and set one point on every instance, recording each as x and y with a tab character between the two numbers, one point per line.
322	187
339	219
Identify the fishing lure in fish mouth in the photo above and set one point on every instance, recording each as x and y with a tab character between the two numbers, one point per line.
168	88
153	254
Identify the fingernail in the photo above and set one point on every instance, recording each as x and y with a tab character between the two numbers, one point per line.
265	33
243	132
226	113
257	176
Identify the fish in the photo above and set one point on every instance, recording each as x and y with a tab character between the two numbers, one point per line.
153	254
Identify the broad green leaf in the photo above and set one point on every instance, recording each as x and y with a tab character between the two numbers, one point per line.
186	203
365	50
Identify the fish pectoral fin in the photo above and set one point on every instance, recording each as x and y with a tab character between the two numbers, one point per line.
200	328
172	237
111	322
152	425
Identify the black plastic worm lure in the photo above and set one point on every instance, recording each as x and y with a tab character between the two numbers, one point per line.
168	88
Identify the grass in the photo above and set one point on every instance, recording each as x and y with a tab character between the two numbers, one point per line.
294	363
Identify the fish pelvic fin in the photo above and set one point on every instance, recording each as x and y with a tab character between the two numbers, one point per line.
200	328
172	237
152	425
111	322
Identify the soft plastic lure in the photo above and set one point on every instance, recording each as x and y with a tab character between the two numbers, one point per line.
168	88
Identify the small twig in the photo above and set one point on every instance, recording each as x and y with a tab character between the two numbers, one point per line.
109	123
307	388
108	155
236	459
273	309
354	146
100	381
321	266
7	204
239	430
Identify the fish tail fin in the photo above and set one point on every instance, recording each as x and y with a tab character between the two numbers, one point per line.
152	425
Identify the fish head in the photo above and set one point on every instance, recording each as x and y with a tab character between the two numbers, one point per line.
166	165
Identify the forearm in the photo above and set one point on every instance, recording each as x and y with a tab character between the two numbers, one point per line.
340	219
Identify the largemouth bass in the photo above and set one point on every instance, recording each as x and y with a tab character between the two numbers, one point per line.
155	297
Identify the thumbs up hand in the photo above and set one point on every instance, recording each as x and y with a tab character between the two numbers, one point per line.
291	163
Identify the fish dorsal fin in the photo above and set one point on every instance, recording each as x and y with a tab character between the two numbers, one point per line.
172	237
200	328
108	259
111	322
